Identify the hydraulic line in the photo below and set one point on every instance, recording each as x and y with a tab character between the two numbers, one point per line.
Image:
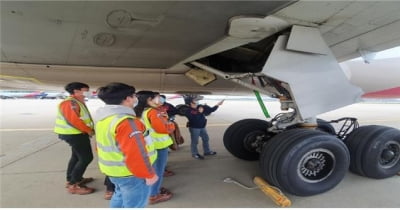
261	102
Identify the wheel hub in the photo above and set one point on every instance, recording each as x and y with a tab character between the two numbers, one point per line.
252	140
316	165
390	154
387	154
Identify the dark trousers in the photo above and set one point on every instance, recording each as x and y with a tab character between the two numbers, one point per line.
81	156
109	185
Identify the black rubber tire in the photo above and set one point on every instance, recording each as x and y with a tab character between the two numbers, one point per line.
235	137
285	153
325	126
367	144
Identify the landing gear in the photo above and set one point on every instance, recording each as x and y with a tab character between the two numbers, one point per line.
374	151
304	162
245	137
325	126
307	162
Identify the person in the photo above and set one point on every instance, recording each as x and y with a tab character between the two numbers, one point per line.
159	128
74	125
110	188
197	126
177	139
125	155
168	108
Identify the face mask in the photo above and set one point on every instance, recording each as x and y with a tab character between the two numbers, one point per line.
86	94
156	100
162	100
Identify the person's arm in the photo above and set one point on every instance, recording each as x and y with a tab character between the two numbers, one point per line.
160	123
129	135
172	110
70	110
208	110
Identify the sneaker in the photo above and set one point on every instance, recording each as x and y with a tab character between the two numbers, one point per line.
164	190
159	198
210	153
168	173
108	195
83	181
197	156
80	189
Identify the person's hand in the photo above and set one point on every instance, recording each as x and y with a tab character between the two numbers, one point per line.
91	133
164	114
221	102
152	180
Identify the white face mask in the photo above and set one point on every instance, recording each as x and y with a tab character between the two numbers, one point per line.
86	94
162	100
135	103
156	100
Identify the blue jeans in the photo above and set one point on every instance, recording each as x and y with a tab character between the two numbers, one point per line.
159	166
130	192
195	133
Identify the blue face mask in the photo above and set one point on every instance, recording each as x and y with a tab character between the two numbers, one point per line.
162	100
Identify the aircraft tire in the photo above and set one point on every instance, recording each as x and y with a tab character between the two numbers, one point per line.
325	126
239	136
285	157
374	151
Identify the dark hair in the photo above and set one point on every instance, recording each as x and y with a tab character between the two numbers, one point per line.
70	87
163	96
188	100
114	93
142	101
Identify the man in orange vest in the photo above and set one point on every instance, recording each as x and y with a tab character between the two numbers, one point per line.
75	126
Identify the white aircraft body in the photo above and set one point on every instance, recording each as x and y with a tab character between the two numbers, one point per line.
288	50
12	94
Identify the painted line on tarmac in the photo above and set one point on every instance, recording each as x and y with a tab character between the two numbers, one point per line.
181	126
211	125
25	129
51	129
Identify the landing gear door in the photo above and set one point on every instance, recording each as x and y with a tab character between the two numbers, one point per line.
317	83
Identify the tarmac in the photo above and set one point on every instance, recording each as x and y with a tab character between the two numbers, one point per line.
34	160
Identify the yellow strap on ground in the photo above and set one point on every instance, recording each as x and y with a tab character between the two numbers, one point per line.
278	197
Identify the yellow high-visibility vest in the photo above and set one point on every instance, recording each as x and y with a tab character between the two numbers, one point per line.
161	140
110	158
63	127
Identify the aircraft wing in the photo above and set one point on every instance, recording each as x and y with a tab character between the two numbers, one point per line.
147	43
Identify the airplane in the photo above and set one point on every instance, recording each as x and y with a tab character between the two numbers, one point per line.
287	50
53	95
378	79
12	94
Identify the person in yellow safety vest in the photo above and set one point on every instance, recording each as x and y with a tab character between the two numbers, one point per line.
125	155
159	127
74	125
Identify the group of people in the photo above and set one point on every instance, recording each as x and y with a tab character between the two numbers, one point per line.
133	131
